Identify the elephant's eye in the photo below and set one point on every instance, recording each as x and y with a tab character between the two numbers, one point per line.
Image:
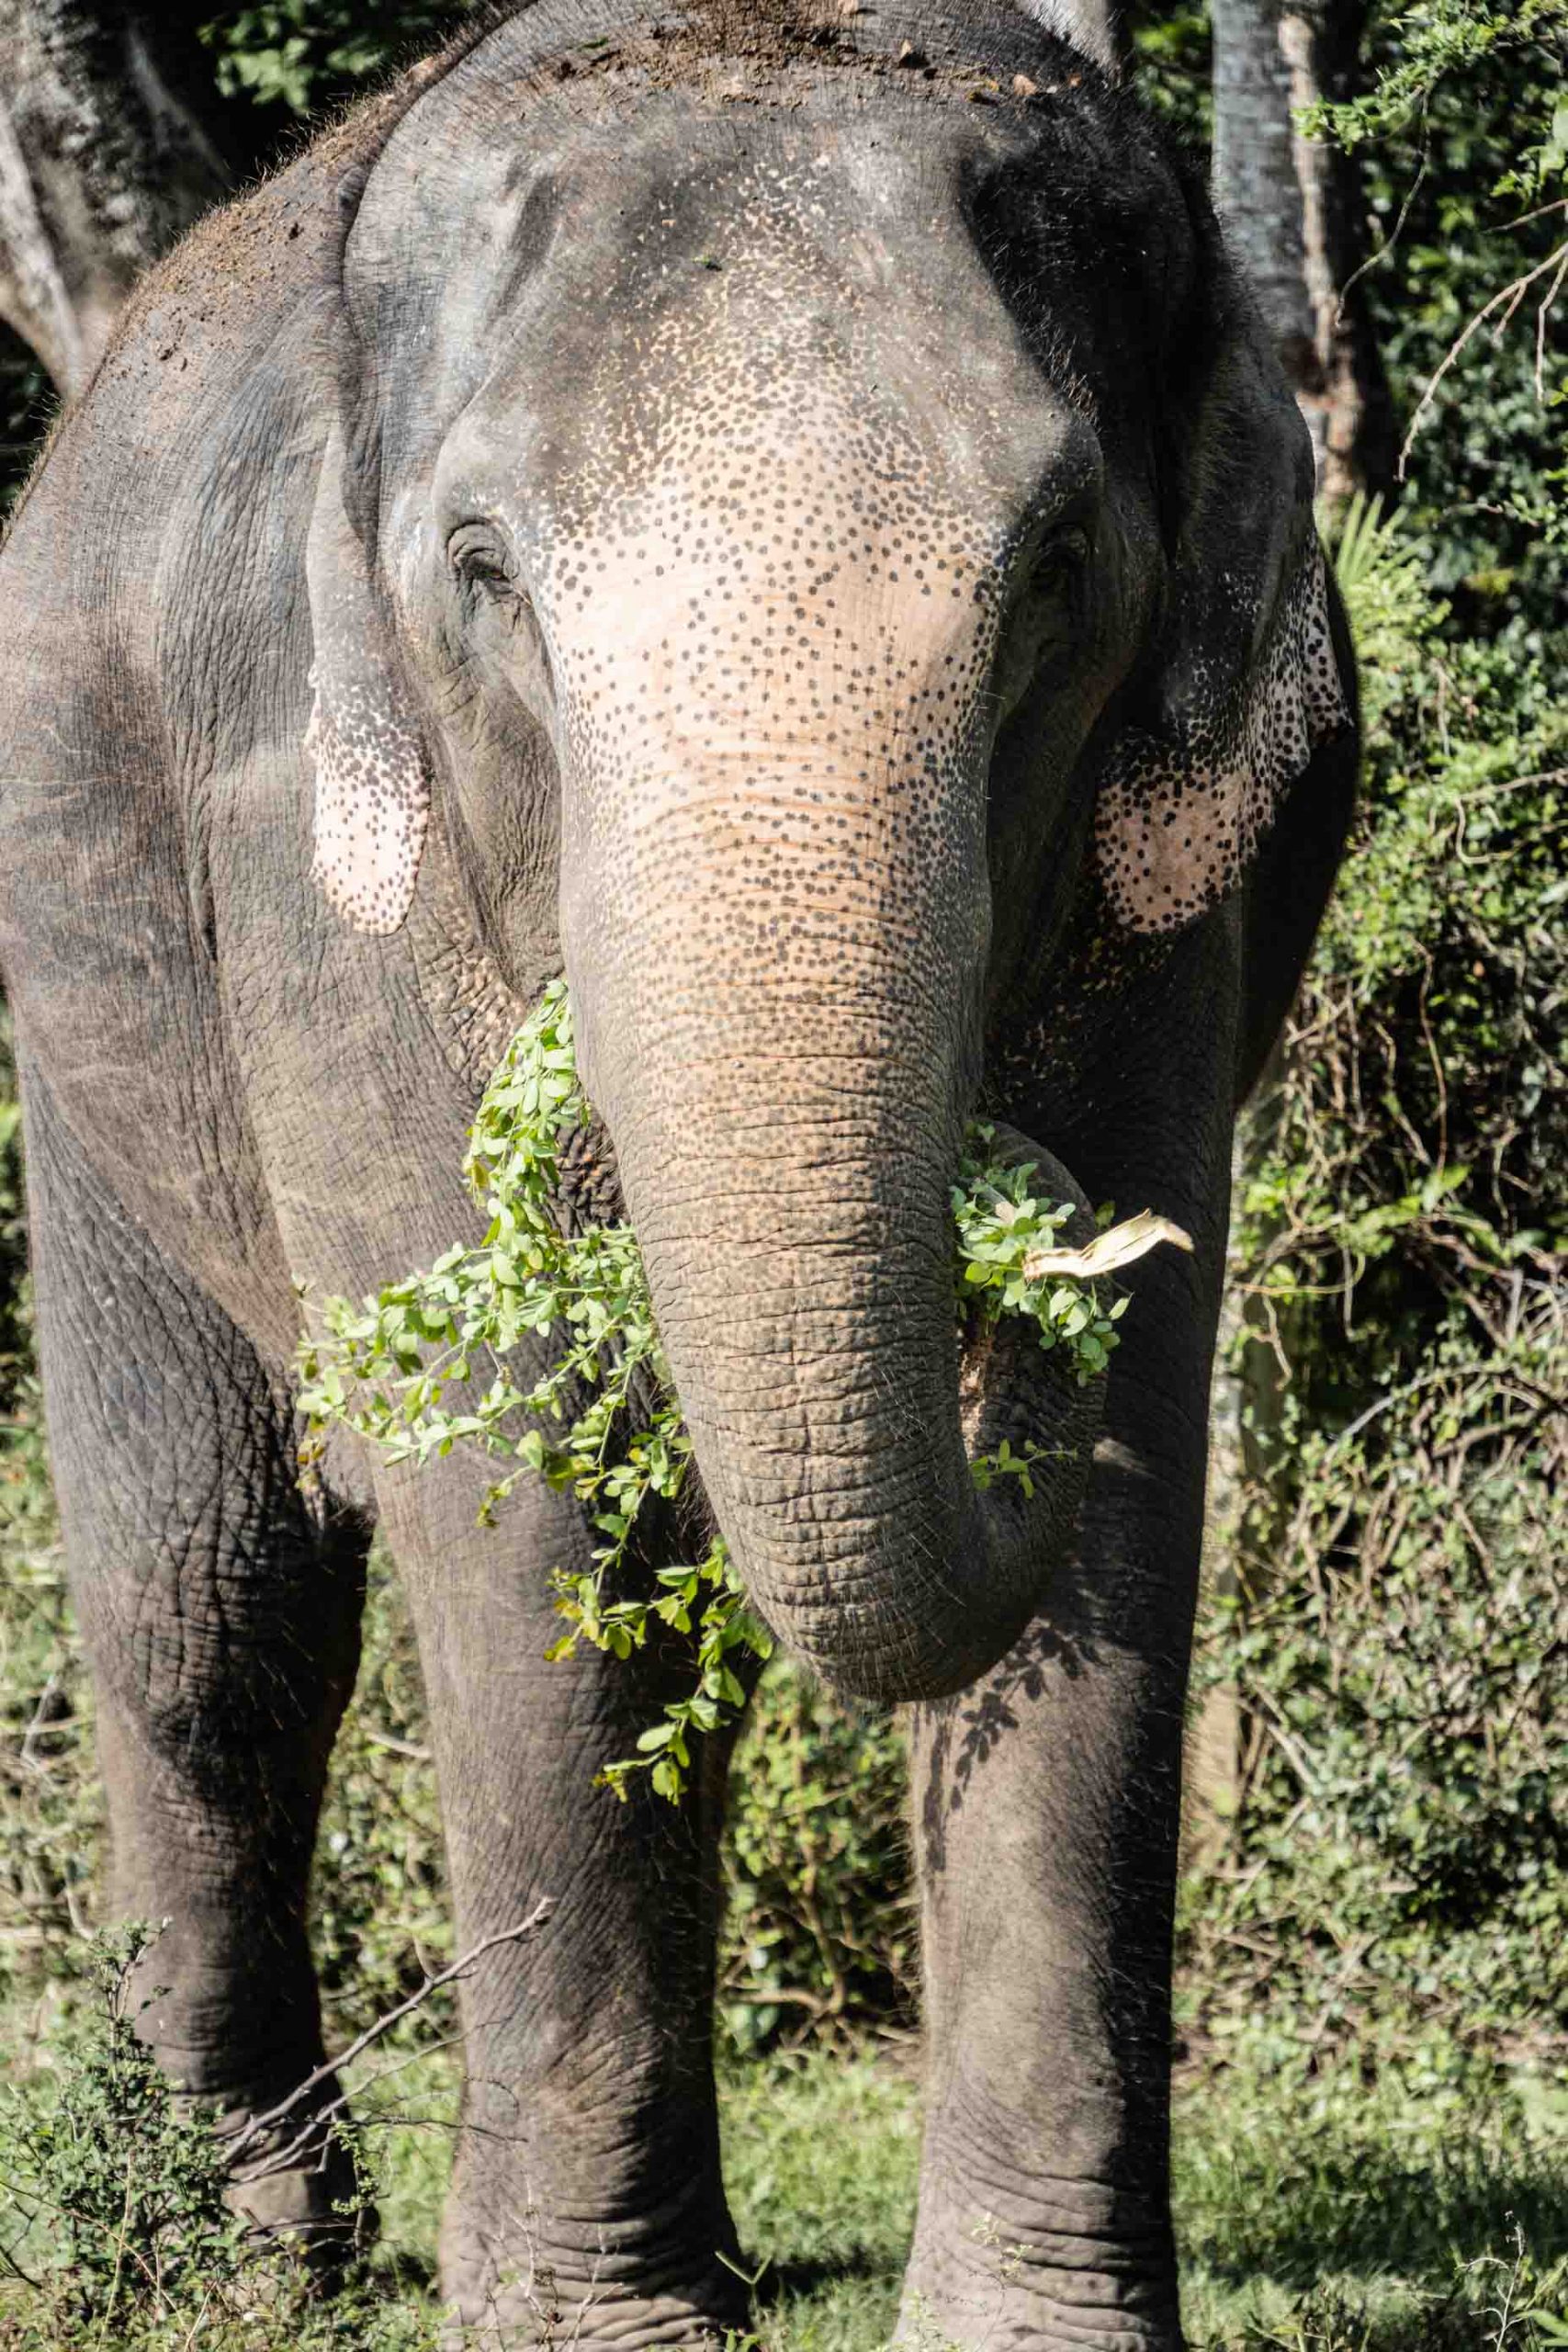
481	562
1059	562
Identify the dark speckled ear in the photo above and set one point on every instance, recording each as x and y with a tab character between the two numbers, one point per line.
1243	682
372	785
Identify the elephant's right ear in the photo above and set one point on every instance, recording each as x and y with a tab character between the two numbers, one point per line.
372	780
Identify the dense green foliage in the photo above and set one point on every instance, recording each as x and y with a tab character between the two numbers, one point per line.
131	2188
117	2230
1398	1875
1399	1644
298	57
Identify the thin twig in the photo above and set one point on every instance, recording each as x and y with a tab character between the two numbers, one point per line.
14	2268
1391	239
409	1748
1552	291
1558	204
280	2159
1512	294
384	2024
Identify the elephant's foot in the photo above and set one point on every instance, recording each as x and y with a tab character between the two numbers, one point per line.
515	2292
1037	2288
538	2307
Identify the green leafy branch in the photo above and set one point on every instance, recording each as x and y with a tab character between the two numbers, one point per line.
1441	38
1439	42
603	1421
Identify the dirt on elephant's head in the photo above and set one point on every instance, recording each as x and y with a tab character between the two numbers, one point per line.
739	51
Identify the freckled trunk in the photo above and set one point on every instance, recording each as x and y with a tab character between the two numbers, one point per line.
787	1143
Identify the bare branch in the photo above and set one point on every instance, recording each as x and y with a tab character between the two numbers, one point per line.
259	2124
1512	295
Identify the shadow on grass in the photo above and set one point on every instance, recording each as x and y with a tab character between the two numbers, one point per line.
784	2282
1361	2208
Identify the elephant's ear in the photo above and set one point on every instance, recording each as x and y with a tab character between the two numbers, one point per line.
372	782
1242	683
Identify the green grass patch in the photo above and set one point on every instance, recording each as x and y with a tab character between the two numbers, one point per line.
821	2156
1353	2219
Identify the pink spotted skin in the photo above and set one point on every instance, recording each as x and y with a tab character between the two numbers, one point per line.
1180	817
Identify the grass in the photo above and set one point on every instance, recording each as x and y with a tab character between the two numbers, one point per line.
1367	2225
1371	2226
1356	2219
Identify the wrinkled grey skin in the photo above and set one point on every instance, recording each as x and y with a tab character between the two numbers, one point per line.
756	493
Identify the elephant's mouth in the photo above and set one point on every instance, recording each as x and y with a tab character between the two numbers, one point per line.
1008	1392
1018	1399
590	1178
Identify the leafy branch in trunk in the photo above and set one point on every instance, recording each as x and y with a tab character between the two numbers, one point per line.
384	1369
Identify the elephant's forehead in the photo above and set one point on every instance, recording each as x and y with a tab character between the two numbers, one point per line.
778	434
775	546
782	525
771	351
772	602
826	284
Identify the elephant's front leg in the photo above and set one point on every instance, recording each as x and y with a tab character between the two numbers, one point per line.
1046	1804
587	2206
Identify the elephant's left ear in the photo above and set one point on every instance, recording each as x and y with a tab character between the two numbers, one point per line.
372	781
1243	682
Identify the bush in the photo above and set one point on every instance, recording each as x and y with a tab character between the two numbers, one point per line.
118	2185
123	2186
1399	1879
819	1936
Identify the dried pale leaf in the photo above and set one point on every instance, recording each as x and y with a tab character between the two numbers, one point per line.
1118	1246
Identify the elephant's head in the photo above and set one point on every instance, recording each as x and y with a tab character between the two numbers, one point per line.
851	518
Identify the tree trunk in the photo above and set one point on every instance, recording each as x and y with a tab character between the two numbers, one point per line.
1322	48
109	151
1296	216
1256	189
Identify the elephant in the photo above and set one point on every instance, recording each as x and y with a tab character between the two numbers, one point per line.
787	516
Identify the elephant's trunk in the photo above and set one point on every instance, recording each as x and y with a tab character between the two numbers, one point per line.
786	1061
776	672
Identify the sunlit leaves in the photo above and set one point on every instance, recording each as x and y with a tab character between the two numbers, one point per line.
1002	1229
